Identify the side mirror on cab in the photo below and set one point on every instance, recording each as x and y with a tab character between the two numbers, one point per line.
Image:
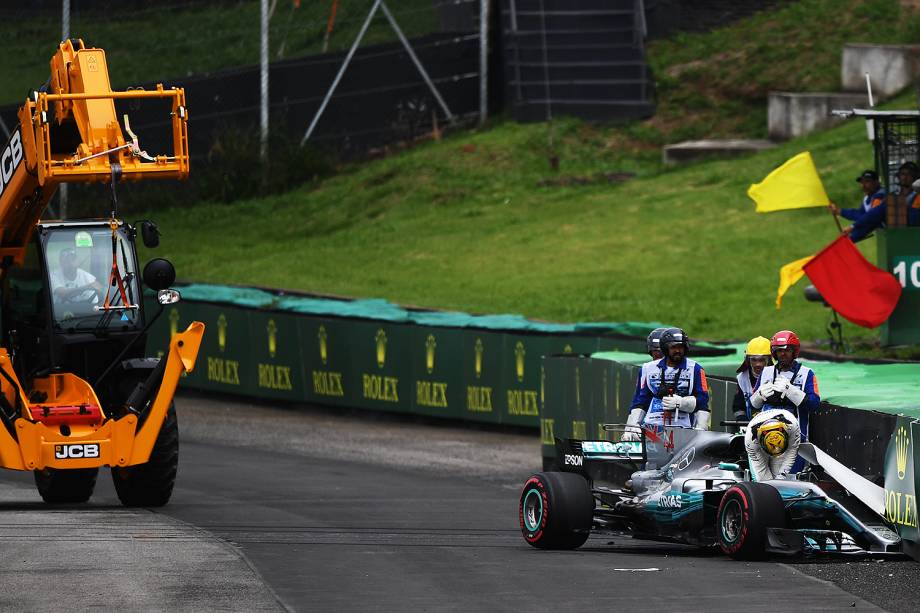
159	274
150	234
168	296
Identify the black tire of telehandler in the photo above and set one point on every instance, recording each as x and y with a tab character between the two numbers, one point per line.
57	486
151	484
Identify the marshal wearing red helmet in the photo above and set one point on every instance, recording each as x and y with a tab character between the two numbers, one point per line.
788	384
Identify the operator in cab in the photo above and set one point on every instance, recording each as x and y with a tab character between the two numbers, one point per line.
672	391
70	284
772	444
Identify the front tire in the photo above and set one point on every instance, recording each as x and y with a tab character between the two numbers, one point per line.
556	510
745	513
66	486
151	484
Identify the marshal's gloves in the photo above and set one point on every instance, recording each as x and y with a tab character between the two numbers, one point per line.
784	388
635	419
685	404
759	398
780	385
795	395
702	420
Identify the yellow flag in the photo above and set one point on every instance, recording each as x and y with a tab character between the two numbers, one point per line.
789	275
794	185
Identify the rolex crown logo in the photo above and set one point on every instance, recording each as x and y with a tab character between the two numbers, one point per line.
272	330
519	354
323	349
222	332
381	340
173	323
567	349
478	348
430	346
901	443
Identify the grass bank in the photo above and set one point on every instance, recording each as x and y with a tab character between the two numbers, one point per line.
465	224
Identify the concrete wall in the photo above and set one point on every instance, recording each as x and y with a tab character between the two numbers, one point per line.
793	114
891	68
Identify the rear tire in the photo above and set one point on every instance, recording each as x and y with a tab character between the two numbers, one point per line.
745	513
556	510
66	486
151	484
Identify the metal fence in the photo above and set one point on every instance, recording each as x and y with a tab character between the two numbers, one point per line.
188	41
411	68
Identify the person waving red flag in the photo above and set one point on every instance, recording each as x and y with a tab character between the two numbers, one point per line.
862	293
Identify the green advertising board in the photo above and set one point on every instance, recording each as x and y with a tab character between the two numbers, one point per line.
437	386
481	366
901	476
380	362
330	377
225	360
276	357
899	253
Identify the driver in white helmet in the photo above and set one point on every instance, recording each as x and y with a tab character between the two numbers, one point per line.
772	444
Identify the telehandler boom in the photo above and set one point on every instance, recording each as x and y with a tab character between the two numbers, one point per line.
76	390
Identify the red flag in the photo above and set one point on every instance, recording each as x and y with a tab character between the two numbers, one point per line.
862	293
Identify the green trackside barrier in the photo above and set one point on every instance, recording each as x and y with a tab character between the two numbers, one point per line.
902	471
586	394
482	375
226	358
275	350
327	362
522	372
437	383
380	363
899	253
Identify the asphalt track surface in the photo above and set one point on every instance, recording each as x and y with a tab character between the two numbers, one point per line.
306	510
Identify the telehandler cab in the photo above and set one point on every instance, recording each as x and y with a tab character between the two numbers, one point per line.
76	390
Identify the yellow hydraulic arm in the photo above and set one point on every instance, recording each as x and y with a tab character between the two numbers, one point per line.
79	97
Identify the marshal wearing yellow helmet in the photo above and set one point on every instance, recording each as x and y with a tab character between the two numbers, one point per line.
756	357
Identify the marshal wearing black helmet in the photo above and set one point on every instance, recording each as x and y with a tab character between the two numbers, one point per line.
671	391
674	336
653	343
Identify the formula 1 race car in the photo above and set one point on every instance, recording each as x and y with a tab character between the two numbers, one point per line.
694	487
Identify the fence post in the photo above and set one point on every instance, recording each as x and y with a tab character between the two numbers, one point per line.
483	61
263	74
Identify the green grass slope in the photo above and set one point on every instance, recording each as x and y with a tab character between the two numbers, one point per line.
463	224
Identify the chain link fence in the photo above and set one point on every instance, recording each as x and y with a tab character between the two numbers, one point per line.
212	48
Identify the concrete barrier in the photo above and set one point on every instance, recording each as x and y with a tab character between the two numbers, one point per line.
792	114
891	68
692	150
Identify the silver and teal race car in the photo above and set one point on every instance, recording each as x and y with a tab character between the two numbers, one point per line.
694	487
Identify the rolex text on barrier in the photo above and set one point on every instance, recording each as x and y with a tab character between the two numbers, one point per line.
901	483
276	351
482	360
437	371
327	362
